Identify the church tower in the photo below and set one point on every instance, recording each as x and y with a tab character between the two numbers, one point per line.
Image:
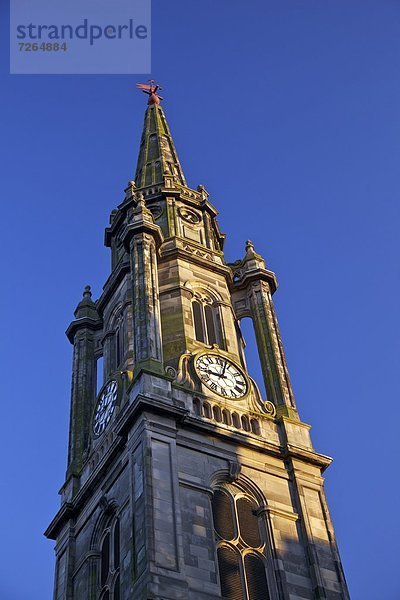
184	482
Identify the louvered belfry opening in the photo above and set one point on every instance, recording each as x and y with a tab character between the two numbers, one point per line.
223	515
229	572
109	579
240	545
255	577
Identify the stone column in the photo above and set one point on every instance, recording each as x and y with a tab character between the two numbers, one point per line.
270	347
252	290
146	306
143	238
81	334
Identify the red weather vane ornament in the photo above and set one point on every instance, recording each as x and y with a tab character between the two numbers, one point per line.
151	89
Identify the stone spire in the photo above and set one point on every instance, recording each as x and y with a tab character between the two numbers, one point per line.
158	159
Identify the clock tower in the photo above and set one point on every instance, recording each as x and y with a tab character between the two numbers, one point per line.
184	482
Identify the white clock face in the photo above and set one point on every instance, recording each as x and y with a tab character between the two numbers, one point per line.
221	376
105	408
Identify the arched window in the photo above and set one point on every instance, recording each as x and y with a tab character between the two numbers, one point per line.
119	342
117	346
207	322
109	580
241	563
198	321
210	324
99	373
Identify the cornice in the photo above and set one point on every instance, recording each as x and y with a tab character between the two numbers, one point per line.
133	229
82	323
156	405
256	275
174	251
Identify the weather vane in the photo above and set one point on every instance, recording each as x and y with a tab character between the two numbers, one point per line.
151	90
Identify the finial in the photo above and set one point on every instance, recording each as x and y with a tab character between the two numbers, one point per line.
87	292
130	189
203	191
249	245
151	90
140	204
140	199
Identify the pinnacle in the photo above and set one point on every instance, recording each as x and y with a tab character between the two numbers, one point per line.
141	210
86	307
87	292
249	245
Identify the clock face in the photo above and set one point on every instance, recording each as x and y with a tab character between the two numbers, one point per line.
221	375
105	408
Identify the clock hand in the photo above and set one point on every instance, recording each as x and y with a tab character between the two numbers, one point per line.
213	372
216	374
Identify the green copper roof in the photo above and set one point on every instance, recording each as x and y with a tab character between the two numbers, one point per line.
157	154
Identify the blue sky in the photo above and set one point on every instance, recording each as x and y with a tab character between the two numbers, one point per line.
287	111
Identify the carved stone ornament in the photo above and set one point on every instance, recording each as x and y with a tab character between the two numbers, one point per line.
197	252
184	376
156	210
204	296
189	215
269	408
234	470
171	372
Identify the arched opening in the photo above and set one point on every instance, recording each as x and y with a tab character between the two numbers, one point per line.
248	521
108	578
236	420
207	410
256	578
207	321
229	573
226	417
240	544
196	406
198	321
118	347
251	353
217	414
99	374
222	507
211	333
245	423
105	559
255	427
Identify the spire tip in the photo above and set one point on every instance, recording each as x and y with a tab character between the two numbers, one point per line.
151	89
